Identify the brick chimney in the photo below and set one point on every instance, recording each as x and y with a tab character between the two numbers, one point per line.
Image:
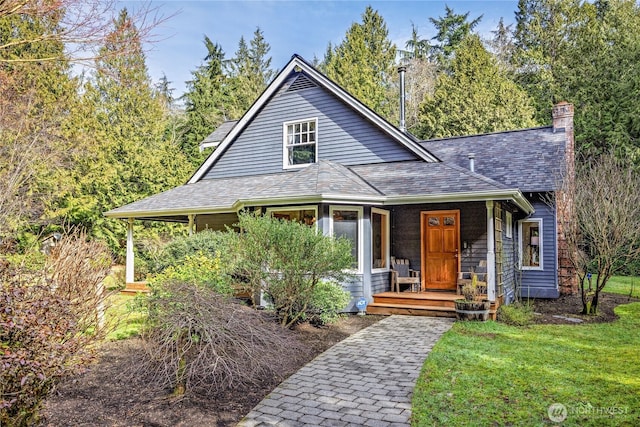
562	114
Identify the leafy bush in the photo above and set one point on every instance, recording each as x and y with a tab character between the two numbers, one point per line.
199	341
49	323
200	269
516	314
287	260
205	242
327	300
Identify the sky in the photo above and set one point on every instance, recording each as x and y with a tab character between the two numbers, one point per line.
303	27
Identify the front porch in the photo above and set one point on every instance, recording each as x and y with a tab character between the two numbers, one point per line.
429	303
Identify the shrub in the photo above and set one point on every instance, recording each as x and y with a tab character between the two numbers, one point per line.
327	300
205	242
200	269
49	323
287	260
199	341
516	314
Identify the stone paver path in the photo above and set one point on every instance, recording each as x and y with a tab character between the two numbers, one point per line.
365	380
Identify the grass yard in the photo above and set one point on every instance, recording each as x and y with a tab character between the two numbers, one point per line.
493	374
124	321
624	285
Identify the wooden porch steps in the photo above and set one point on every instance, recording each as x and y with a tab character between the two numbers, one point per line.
436	304
133	288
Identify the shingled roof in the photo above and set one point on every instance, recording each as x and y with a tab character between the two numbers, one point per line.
322	181
528	159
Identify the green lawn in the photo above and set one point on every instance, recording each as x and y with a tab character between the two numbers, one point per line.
123	321
493	374
625	285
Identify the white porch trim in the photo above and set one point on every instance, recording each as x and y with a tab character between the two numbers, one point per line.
491	253
129	276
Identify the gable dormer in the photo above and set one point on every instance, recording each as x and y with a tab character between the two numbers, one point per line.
303	117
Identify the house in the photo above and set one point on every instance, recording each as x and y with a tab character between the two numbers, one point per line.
308	150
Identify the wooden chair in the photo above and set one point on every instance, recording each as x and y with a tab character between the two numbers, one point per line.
465	277
401	274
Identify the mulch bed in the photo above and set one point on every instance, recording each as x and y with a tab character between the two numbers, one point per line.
559	311
109	395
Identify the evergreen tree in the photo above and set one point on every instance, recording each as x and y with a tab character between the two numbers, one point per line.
126	155
451	30
37	102
205	102
600	74
588	54
474	96
249	73
542	40
363	63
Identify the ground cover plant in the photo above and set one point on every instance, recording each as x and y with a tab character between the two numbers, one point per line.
495	374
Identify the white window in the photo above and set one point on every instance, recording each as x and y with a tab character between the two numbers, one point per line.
380	239
346	221
509	225
304	214
530	242
300	143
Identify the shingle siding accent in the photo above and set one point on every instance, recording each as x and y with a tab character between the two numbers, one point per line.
343	135
543	283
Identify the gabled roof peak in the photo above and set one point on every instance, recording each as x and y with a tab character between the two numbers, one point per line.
299	63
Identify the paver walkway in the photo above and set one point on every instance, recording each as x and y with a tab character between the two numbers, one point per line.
365	380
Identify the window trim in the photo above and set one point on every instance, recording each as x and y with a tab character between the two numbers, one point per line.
360	211
508	225
540	265
387	232
314	208
285	146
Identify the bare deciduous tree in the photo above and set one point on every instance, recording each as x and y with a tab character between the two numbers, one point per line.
82	27
604	234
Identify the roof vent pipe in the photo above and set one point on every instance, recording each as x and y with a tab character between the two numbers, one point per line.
472	162
401	71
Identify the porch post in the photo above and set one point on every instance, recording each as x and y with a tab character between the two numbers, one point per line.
130	261
491	254
191	218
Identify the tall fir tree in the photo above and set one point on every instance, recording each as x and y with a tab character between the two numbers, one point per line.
542	41
249	73
451	30
127	156
474	96
206	102
363	63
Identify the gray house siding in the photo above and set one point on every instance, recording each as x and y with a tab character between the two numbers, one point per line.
406	238
543	283
343	136
380	282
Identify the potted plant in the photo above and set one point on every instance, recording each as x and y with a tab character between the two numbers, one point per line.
472	307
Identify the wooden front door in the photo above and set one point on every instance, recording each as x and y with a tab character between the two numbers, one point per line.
440	249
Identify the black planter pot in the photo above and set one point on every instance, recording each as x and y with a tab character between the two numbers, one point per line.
472	310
